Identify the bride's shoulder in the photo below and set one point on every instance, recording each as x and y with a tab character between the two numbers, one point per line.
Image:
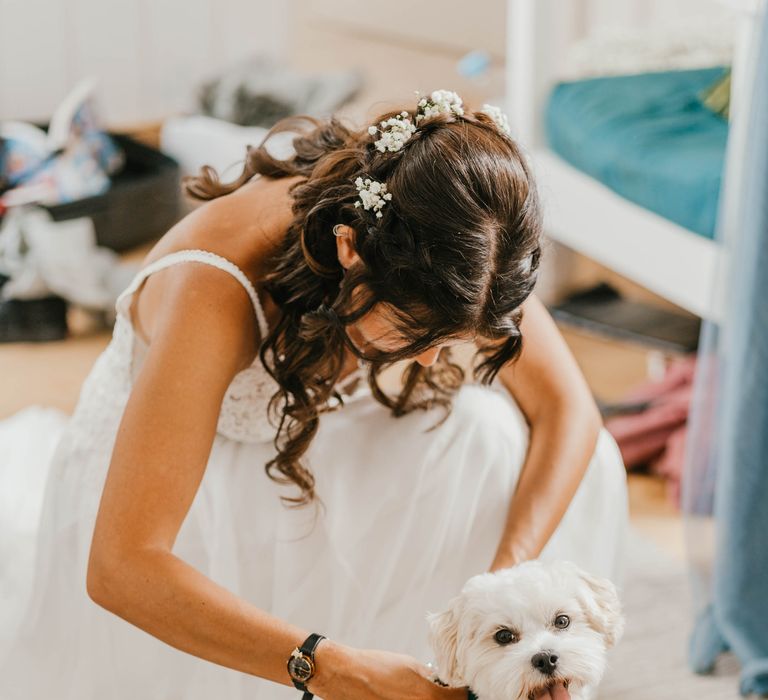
244	227
197	302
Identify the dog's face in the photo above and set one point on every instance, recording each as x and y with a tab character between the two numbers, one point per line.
532	632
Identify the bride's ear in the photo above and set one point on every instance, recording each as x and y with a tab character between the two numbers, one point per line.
345	249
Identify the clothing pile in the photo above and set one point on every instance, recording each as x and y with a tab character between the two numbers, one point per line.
46	264
237	108
262	90
651	429
70	160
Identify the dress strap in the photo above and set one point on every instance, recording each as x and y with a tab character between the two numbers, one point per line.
197	255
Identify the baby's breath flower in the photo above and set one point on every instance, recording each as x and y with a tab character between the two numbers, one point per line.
373	195
395	131
498	116
439	102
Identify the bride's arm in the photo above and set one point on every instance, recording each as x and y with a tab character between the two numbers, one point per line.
158	461
565	422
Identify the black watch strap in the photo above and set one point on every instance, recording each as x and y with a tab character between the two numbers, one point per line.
310	644
307	648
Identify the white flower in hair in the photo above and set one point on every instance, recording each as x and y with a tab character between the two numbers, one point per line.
373	195
439	102
395	131
498	116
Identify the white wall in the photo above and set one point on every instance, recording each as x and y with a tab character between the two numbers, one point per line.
439	25
149	55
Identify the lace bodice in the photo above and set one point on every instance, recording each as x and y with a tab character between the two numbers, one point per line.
243	415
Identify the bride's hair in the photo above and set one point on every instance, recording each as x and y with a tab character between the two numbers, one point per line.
455	253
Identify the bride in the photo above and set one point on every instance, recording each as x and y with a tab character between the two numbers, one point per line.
234	477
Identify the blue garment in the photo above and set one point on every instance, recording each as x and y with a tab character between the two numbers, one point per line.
648	137
730	414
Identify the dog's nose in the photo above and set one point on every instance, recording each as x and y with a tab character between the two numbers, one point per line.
545	661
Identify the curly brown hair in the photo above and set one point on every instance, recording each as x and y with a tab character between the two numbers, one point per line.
456	252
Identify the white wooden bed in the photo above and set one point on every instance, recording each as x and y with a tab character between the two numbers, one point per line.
580	212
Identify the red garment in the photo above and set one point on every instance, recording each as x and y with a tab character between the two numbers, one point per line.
670	463
656	436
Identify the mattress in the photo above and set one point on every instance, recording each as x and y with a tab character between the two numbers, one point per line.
648	137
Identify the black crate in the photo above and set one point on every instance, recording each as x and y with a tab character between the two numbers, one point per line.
142	203
602	310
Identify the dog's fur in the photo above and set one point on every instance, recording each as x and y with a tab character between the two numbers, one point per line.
526	599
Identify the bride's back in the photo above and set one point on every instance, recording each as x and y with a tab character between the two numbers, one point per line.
244	227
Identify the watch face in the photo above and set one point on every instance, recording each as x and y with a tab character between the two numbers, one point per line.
300	668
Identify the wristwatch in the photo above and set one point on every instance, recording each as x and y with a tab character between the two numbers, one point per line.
301	663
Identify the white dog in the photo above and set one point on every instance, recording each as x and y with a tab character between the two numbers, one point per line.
535	631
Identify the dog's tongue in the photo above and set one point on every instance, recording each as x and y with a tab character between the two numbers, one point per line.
556	692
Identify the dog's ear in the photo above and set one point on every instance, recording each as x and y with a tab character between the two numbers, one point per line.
602	606
444	640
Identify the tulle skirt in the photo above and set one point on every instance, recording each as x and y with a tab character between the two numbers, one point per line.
407	515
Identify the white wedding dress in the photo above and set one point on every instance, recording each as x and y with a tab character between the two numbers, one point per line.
409	516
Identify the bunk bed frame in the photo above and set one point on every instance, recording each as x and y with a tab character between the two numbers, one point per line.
580	212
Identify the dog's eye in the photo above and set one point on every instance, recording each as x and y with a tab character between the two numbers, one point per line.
505	636
562	621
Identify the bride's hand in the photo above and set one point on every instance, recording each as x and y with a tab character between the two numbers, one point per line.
367	674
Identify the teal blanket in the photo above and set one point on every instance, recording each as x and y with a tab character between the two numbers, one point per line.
648	137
